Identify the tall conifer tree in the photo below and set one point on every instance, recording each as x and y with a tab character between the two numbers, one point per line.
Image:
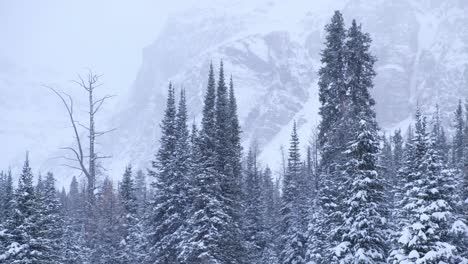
165	222
292	239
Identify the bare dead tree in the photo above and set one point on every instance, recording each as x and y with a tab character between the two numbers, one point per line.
86	163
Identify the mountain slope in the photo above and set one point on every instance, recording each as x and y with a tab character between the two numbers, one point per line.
272	50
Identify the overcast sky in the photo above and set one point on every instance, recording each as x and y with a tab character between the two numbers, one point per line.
64	37
49	42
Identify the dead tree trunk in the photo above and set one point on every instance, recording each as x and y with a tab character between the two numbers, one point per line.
86	164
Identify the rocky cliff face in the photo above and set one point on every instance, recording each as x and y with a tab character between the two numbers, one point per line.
272	51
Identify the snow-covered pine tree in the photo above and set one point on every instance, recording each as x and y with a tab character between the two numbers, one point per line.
234	134
7	202
182	160
310	175
292	242
460	227
132	246
387	170
50	221
141	193
75	250
109	226
465	170
332	89
331	140
364	228
227	164
2	191
458	138
396	186
270	201
235	156
7	211
398	152
438	132
427	204
23	244
253	225
208	215
166	207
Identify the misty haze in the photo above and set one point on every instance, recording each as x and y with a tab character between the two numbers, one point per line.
219	132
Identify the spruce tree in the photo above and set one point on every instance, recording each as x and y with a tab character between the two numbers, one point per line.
331	136
182	155
24	241
387	170
182	160
109	226
7	201
234	133
438	132
464	195
363	231
208	216
51	222
141	193
75	250
458	139
292	244
7	208
398	152
132	247
254	229
427	204
227	165
270	201
166	209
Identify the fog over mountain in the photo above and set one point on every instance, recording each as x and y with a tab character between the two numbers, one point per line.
272	49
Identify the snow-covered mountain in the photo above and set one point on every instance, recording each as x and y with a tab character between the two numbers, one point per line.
272	51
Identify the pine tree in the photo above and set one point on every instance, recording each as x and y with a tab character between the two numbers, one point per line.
50	221
427	204
465	178
458	140
254	229
387	170
132	246
331	136
23	243
141	193
208	216
439	135
166	209
398	152
363	231
271	202
182	160
228	167
7	201
7	209
234	133
292	238
332	88
396	186
75	250
109	226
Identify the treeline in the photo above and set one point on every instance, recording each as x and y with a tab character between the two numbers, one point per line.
356	197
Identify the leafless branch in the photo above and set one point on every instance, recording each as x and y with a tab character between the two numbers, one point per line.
98	103
69	107
105	132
